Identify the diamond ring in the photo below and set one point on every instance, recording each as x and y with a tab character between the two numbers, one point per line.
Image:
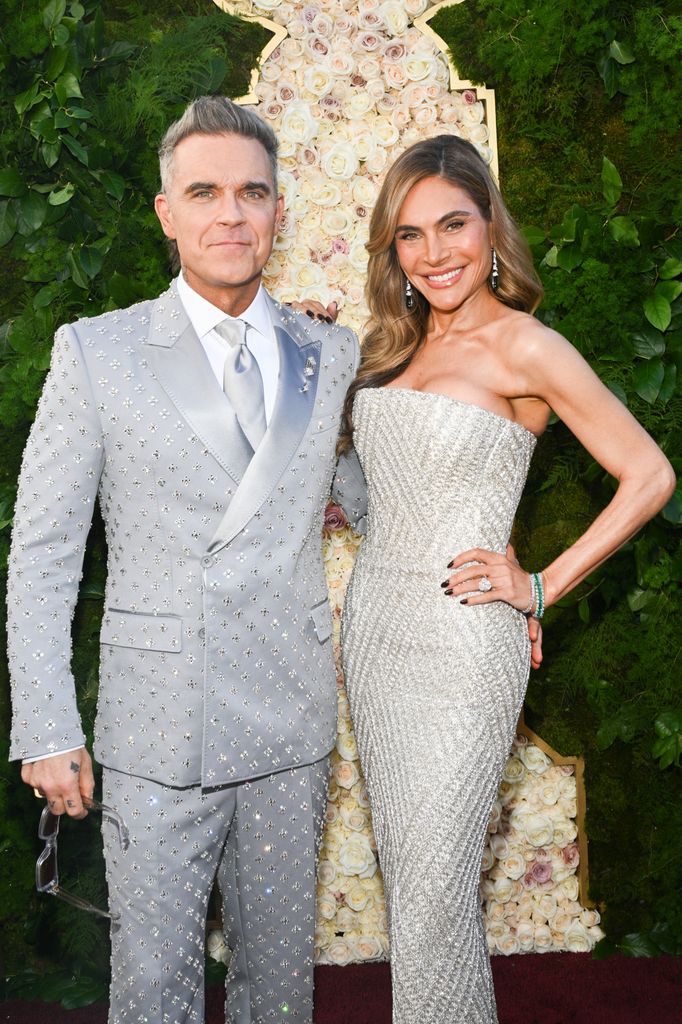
484	584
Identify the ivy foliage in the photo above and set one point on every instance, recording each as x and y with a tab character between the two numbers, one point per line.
89	88
589	106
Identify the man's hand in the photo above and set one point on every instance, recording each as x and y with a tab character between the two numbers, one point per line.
63	780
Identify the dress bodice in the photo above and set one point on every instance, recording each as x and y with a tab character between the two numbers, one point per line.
442	475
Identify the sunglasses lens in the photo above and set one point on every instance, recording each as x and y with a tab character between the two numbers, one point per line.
49	824
46	869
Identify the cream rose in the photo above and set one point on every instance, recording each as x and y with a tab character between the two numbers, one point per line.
534	759
298	125
353	817
340	162
318	81
358	898
345	773
394	17
539	829
514	866
368	947
339	952
326	193
326	872
347	747
357	858
326	906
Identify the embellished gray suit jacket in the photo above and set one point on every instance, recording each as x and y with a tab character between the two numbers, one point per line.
216	662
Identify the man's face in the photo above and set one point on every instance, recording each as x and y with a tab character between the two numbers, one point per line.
220	207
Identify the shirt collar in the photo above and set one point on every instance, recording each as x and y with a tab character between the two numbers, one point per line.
204	316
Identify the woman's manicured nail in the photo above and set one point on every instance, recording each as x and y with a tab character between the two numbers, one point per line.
449	565
329	320
310	313
465	600
445	583
447	592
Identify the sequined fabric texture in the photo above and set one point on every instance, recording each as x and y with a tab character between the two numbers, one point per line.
435	687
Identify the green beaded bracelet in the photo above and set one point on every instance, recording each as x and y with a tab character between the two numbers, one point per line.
540	609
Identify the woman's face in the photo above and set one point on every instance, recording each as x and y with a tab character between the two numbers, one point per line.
443	243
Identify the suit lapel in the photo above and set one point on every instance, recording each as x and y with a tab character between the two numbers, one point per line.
183	370
299	361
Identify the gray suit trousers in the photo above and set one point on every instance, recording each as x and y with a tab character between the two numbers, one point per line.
260	839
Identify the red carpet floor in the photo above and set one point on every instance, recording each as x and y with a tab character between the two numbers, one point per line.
555	988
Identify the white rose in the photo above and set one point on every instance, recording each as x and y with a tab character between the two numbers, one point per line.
326	193
514	866
354	818
525	933
535	760
347	747
326	872
359	792
548	905
367	947
478	133
358	898
503	890
346	919
336	223
415	7
417	67
487	860
326	906
570	888
342	65
549	793
589	918
319	82
298	124
539	830
375	90
395	75
577	939
394	17
339	952
385	132
495	815
266	5
473	113
357	105
508	944
376	161
358	257
217	948
542	938
345	773
357	858
340	162
499	846
331	814
369	68
514	771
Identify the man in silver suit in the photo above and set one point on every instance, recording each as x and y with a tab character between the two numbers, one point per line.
205	421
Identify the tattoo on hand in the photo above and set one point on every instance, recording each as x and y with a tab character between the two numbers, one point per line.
70	803
51	803
75	767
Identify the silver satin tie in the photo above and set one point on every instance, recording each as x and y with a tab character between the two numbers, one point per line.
242	381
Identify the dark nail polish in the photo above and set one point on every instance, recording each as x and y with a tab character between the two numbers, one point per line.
465	600
329	320
319	316
310	313
449	565
445	583
447	592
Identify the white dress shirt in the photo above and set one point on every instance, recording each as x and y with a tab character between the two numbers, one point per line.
260	338
204	316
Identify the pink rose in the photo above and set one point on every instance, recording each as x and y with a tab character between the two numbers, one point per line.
540	872
571	855
469	96
334	517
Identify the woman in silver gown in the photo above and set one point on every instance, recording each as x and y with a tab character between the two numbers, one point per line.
457	380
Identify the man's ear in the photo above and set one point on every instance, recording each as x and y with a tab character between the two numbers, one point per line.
279	212
163	212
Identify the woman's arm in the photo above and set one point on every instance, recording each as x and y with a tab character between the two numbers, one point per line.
548	367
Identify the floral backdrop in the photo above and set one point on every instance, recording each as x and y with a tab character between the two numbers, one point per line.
352	86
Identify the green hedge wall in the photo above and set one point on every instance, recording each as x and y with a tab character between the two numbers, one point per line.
588	105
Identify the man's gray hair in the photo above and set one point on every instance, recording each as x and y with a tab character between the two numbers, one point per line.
216	115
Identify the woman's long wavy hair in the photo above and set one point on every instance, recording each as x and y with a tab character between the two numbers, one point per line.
395	333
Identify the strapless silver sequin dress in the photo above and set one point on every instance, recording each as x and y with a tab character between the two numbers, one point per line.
435	687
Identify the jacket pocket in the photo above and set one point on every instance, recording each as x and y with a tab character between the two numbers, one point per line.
322	620
142	631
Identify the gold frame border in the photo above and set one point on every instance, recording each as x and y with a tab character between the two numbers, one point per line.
279	33
482	91
581	800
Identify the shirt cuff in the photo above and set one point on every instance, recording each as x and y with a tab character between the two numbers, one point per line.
44	757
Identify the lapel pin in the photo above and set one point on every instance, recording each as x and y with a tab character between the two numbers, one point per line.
310	367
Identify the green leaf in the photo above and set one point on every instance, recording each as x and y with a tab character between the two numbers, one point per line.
31	213
647	379
619	392
50	152
54	65
78	275
79	112
637	944
11	182
669	290
612	184
624	229
114	185
610	75
668	747
671	268
123	290
45	295
90	260
76	149
564	232
621	53
8	221
550	258
66	87
534	236
77	11
657	311
639	598
62	195
27	99
60	35
672	512
53	12
669	383
648	343
584	610
569	257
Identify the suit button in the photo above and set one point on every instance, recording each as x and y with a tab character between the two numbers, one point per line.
202	633
207	561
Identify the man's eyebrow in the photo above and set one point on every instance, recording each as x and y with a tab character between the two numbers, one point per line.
441	220
247	186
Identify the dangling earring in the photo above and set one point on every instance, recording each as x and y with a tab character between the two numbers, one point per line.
409	297
494	276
